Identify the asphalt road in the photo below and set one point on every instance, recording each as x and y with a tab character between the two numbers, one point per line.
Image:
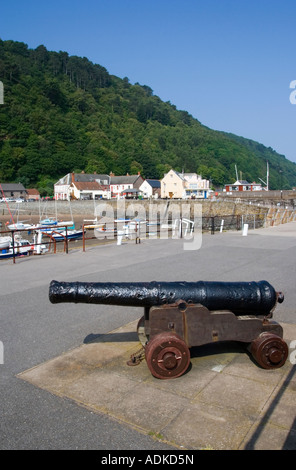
33	330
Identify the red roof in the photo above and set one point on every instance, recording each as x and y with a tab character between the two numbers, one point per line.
33	192
88	185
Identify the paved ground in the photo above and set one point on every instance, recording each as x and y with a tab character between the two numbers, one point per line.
64	379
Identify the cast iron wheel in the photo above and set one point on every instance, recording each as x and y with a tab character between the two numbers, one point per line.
167	356
269	350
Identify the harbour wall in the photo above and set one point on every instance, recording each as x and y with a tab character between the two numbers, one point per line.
233	213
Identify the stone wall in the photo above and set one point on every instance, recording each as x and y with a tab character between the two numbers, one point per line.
232	212
284	197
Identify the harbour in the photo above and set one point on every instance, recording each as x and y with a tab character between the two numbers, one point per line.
66	365
51	226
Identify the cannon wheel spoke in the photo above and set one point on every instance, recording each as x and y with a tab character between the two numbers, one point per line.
269	350
167	356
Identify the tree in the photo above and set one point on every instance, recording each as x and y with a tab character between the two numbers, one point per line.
45	186
136	168
95	166
53	92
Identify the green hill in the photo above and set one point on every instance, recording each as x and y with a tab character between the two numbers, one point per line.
63	113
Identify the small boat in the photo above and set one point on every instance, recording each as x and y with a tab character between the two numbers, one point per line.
46	222
19	226
5	242
63	234
21	247
91	223
110	226
56	225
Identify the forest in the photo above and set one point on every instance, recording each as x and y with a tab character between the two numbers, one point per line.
64	114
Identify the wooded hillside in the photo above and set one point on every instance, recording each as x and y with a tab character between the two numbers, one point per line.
63	113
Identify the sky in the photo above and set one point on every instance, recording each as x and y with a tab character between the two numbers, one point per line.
229	63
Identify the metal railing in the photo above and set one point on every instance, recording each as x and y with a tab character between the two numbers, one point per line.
222	223
47	239
19	246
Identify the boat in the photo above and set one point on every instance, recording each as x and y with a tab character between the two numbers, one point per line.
69	234
5	242
47	222
54	224
21	247
59	229
61	235
19	226
110	226
91	223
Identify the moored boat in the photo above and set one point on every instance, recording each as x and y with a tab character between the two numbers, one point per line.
19	226
20	247
63	234
55	225
5	242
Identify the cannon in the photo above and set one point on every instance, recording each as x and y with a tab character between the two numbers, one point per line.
181	315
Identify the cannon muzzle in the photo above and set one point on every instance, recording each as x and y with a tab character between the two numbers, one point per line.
241	298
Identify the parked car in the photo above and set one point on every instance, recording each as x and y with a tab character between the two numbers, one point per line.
7	199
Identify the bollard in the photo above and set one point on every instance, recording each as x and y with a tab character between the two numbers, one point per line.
120	234
245	230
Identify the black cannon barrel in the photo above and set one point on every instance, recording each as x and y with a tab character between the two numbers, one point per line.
238	297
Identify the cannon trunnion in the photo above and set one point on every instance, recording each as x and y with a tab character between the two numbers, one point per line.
181	315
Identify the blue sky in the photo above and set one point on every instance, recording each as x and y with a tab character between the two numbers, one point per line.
228	63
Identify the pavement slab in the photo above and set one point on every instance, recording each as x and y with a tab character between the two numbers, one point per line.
224	400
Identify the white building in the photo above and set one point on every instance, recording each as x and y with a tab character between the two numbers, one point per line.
121	184
196	186
150	188
88	190
242	186
66	188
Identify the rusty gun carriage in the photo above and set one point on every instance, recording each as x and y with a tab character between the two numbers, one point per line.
181	315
